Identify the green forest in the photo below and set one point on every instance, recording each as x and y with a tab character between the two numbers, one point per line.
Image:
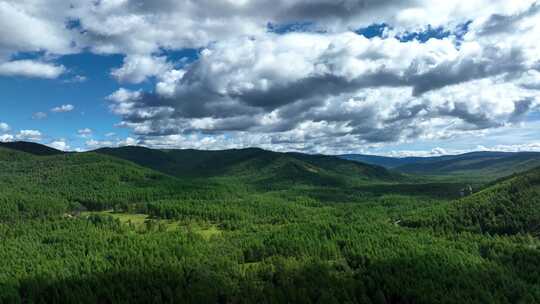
135	225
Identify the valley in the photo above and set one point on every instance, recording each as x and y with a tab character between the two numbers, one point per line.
138	225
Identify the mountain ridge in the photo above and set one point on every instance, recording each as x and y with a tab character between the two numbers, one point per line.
31	148
252	164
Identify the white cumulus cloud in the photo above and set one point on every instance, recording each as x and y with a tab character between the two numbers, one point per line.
31	68
293	74
4	127
60	144
63	108
29	135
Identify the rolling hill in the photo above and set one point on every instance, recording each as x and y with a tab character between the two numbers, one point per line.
255	166
30	147
94	180
107	177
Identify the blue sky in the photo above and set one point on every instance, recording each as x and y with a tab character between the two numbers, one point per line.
408	78
23	97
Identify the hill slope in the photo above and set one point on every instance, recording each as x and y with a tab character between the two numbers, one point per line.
34	184
256	166
509	206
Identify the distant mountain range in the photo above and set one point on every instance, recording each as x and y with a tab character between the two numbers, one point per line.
258	166
384	161
491	165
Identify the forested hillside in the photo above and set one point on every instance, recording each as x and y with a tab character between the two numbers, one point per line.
88	180
255	166
510	206
148	228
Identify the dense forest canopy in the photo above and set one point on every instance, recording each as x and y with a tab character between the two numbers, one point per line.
135	225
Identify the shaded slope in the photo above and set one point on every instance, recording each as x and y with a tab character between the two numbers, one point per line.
255	166
30	147
509	206
185	163
347	167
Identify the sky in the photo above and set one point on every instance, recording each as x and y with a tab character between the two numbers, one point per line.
398	78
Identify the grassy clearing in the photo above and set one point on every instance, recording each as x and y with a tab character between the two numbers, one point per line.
125	218
208	232
138	221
